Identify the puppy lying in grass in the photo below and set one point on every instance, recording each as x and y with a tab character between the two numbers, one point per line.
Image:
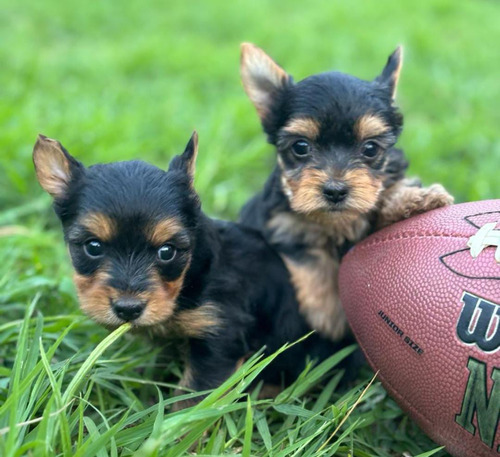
144	253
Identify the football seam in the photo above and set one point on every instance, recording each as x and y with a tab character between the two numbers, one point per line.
410	406
409	235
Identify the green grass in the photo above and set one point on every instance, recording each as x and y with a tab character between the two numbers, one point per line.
122	80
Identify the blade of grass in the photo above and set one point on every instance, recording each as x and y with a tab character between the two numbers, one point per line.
79	377
62	419
16	393
349	412
247	442
429	453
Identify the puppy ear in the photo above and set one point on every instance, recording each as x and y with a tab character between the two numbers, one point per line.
54	167
262	78
186	162
390	74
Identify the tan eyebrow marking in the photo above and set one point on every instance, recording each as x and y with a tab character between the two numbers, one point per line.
303	126
100	225
163	230
369	126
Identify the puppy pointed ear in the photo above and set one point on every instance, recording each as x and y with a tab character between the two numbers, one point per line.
390	74
186	162
54	166
263	79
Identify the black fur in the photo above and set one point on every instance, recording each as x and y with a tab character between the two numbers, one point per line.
333	104
231	268
335	101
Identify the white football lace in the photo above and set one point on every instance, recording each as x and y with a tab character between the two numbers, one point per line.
486	236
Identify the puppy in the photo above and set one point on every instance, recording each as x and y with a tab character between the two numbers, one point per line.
145	253
338	176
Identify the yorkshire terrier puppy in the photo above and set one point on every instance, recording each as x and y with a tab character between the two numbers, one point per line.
338	176
145	253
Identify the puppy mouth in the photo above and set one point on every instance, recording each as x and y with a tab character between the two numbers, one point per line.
141	322
335	207
112	307
139	314
347	206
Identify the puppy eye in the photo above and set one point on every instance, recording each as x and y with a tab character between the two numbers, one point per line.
93	248
370	149
166	253
301	148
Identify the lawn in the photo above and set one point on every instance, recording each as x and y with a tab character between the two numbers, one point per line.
122	80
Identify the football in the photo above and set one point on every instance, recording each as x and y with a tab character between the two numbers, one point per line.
423	300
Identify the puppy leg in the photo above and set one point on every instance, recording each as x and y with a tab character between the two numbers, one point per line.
208	366
269	391
406	199
315	282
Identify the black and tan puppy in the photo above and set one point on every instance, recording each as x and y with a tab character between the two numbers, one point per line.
338	177
144	253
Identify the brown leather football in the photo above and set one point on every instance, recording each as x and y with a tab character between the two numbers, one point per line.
423	300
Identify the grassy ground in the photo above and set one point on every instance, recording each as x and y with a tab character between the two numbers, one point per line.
121	80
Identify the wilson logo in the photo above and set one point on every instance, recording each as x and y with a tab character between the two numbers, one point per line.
479	323
478	402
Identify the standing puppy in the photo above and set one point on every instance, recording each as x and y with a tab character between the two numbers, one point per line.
144	253
338	177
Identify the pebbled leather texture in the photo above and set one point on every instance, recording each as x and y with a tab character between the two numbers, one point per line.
404	289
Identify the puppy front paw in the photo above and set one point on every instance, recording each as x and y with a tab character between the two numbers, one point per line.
403	201
433	197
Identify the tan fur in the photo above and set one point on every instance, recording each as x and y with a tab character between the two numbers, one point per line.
241	361
192	323
51	166
404	200
269	391
100	225
322	230
342	226
184	387
261	77
160	300
187	377
315	281
397	72
163	231
303	126
192	163
306	192
364	190
284	181
369	126
317	292
95	297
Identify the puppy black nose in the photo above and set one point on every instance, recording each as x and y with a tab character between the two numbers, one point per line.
335	192
128	309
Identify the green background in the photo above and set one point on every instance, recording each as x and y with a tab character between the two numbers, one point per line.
122	80
132	79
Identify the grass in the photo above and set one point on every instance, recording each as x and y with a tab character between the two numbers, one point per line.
116	81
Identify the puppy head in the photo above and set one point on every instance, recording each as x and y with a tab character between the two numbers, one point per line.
334	133
130	230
